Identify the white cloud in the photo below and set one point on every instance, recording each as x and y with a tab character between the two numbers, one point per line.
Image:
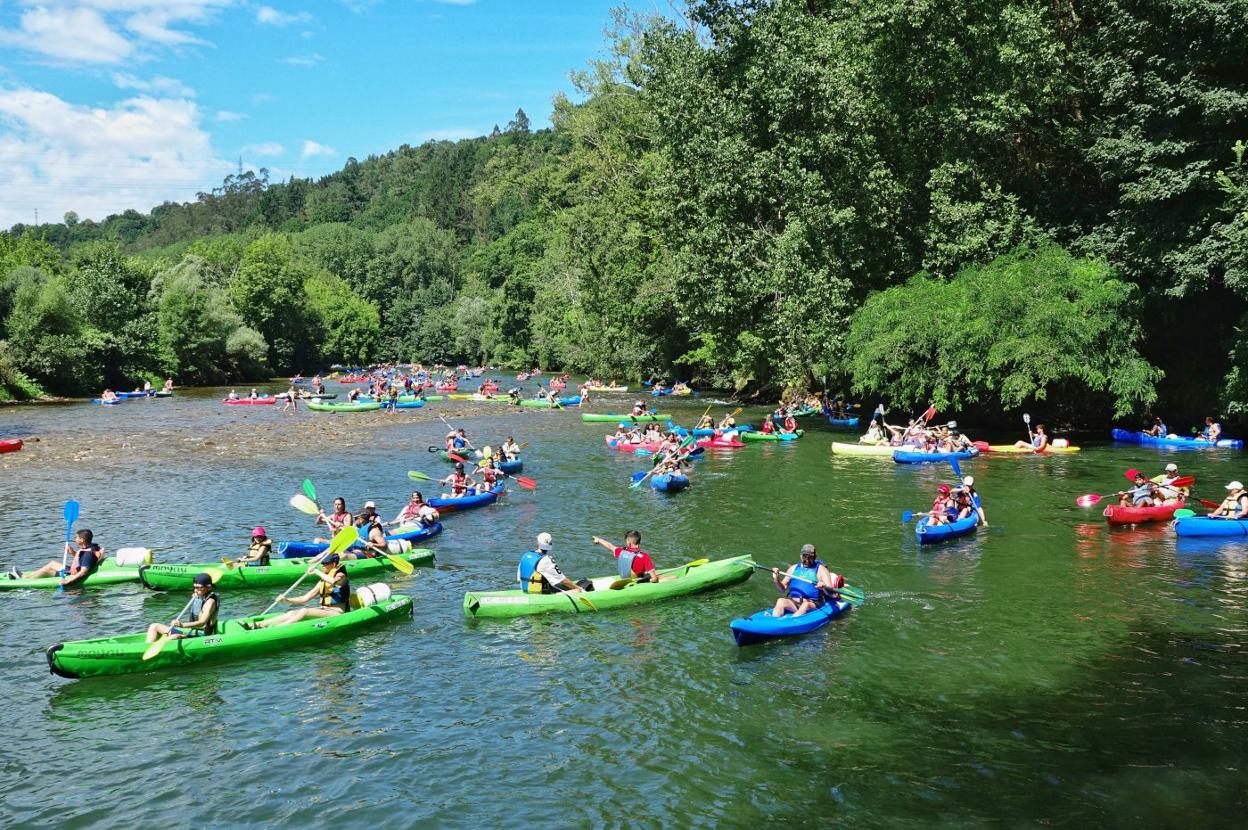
261	98
303	60
269	16
268	148
312	148
227	117
157	85
57	156
106	31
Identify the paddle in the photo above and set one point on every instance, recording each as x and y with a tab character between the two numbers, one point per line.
1184	513
448	424
524	481
417	475
1184	481
155	647
624	583
343	539
637	481
1027	421
309	490
72	509
852	595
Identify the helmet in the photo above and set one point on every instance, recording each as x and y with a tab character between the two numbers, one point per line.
944	488
259	531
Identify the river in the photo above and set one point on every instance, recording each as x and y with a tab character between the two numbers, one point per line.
1047	671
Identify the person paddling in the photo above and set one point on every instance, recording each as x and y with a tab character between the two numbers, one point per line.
1167	492
538	573
1235	505
459	481
632	561
1142	494
417	511
333	595
511	449
805	584
968	502
335	522
79	565
1212	431
259	550
1038	440
201	620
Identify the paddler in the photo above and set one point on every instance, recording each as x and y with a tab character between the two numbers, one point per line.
333	593
633	562
511	449
259	550
1235	505
254	396
77	566
1165	484
1038	440
108	395
639	408
706	422
967	501
202	614
539	574
1142	494
417	511
805	584
459	481
373	534
337	520
1158	429
729	424
168	384
790	424
1212	431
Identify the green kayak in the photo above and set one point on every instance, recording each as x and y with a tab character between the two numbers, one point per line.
334	406
446	456
770	436
604	418
804	412
109	573
279	572
124	654
688	580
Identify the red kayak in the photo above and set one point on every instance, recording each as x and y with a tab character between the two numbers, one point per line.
10	445
452	388
623	446
718	441
249	401
1116	514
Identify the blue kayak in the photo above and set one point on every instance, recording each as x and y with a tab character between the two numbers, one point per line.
1176	441
291	550
511	467
468	502
760	627
103	402
842	422
669	482
1195	526
916	457
416	404
935	534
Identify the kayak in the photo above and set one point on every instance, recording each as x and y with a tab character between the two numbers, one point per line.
477	396
345	406
404	533
624	446
702	432
250	402
416	404
669	482
279	572
511	467
1117	514
560	403
446	456
124	654
1010	449
882	450
1176	441
324	396
109	573
449	505
163	393
842	422
607	388
10	445
127	395
595	417
1205	526
688	580
102	402
805	411
912	457
721	443
933	534
761	627
771	436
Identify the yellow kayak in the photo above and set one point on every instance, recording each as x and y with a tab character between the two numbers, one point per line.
1011	449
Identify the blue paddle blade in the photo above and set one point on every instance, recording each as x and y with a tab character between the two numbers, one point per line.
72	509
638	476
641	451
906	516
957	471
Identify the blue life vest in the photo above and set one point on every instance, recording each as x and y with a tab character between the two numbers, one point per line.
459	443
1164	431
625	563
531	581
805	590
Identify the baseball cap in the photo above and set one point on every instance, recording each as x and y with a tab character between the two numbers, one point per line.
1235	485
808	550
1172	468
203	579
370	504
332	559
544	541
944	488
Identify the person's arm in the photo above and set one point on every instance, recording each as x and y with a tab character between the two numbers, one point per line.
782	582
205	615
76	575
598	540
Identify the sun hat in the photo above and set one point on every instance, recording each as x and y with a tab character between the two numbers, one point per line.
1172	468
1235	485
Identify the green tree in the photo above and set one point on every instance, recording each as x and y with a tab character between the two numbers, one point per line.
348	328
268	292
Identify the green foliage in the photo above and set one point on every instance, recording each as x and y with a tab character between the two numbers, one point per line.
1035	325
348	329
268	291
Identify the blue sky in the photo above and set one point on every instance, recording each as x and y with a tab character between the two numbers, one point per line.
114	104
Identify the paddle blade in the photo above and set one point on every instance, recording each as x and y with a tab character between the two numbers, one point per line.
639	475
1210	504
526	483
304	504
1131	474
1088	500
458	458
400	564
1026	419
1183	481
418	475
1184	513
214	574
957	470
641	451
72	509
343	539
906	517
929	414
309	489
155	647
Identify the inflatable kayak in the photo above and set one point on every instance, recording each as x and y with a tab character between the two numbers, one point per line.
680	582
1205	526
721	442
805	411
416	404
542	403
102	402
477	499
600	418
10	445
624	446
761	627
406	533
251	402
607	388
279	572
477	396
1176	441
771	436
465	454
1117	514
511	467
345	406
913	457
842	422
669	482
124	654
703	432
933	534
109	573
1010	449
882	450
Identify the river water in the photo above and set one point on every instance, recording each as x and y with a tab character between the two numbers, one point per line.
1047	671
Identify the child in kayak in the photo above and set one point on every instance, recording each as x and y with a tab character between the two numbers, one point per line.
943	506
334	593
259	550
1039	441
1235	505
77	566
805	585
1143	494
967	501
633	562
201	618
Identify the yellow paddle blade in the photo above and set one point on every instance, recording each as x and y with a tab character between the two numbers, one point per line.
400	564
214	574
155	647
620	583
343	539
588	604
304	504
697	563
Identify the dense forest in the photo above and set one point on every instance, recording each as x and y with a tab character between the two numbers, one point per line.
988	205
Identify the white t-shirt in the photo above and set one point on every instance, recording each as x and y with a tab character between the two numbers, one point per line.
548	569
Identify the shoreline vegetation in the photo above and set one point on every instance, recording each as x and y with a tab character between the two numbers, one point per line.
1039	208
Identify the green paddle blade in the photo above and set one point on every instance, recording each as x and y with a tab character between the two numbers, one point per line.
418	475
1184	513
309	489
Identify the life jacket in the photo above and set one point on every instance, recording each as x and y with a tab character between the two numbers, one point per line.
1038	441
768	427
263	549
790	424
459	481
197	608
337	595
625	563
459	443
532	582
93	551
805	590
